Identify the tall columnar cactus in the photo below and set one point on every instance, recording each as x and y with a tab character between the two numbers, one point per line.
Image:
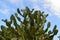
31	28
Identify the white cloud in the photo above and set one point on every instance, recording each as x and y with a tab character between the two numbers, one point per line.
54	6
14	1
4	8
4	11
36	7
33	0
35	4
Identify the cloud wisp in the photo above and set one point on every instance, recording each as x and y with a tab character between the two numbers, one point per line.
4	11
54	6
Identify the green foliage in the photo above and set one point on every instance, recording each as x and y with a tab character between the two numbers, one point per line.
31	28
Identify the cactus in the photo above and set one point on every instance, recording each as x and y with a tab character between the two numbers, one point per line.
31	28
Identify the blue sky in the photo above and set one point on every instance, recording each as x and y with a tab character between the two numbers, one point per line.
51	7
